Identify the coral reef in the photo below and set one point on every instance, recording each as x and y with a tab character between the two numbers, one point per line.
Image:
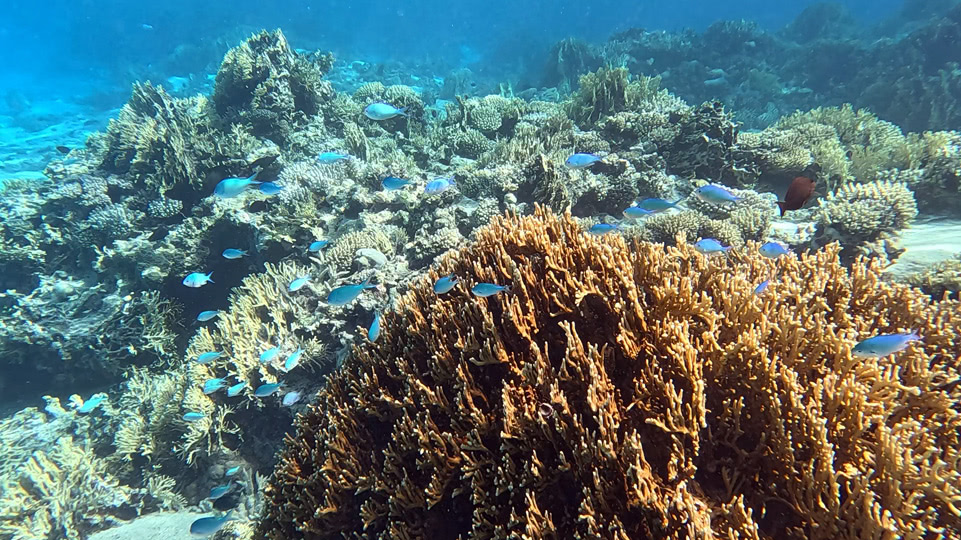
56	483
263	83
621	392
865	218
942	280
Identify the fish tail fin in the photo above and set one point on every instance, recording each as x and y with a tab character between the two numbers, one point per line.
253	178
208	277
229	514
402	111
780	205
677	202
367	284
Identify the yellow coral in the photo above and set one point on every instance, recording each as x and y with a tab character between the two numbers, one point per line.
634	392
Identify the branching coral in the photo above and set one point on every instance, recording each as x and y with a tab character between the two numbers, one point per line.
865	216
940	280
641	392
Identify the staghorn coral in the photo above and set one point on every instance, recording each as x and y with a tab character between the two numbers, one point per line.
641	392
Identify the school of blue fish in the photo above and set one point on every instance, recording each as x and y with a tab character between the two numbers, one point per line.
875	346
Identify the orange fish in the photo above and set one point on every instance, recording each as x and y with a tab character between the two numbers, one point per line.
798	193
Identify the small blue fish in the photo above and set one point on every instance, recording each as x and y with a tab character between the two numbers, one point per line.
270	188
207	526
374	331
219	491
92	403
197	279
392	183
439	185
331	157
581	161
347	293
655	205
883	345
314	247
298	283
236	389
445	284
232	471
636	212
193	416
488	289
773	250
715	195
708	246
265	390
762	286
290	398
231	187
293	359
267	356
601	229
383	111
231	253
212	385
205	316
208	357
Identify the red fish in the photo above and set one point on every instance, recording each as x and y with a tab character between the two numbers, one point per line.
798	193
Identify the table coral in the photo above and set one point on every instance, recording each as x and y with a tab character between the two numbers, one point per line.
633	392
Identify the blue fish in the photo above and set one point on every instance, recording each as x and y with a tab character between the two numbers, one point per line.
383	111
347	293
298	283
197	279
314	247
193	416
601	229
708	246
92	403
268	355
207	526
205	316
290	398
715	195
208	357
773	250
374	331
636	212
445	284
581	161
439	185
270	188
331	157
655	205
232	471
231	253
293	359
883	345
212	385
488	289
236	389
762	286
265	390
219	491
391	183
231	187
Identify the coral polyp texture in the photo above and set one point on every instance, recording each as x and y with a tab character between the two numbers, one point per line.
633	391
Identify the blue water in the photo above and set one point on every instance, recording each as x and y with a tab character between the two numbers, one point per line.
68	65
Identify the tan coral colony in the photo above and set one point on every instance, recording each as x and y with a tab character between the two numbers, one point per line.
629	392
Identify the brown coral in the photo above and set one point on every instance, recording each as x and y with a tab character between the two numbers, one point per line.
641	392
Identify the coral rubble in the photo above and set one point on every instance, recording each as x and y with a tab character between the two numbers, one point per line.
633	392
